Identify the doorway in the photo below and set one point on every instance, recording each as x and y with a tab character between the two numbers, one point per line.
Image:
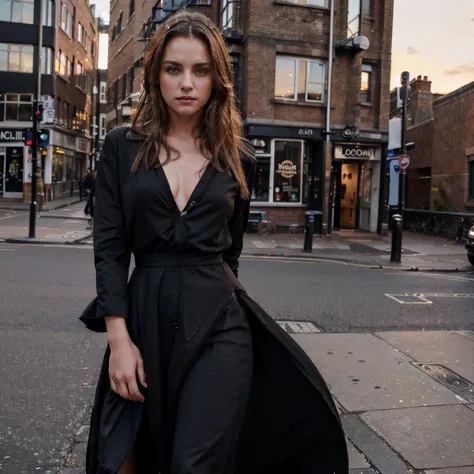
13	172
2	172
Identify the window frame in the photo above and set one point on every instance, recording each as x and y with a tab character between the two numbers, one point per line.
131	8
470	178
271	181
296	74
9	17
368	69
358	16
4	101
21	54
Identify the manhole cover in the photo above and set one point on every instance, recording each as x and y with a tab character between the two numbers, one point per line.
449	379
298	327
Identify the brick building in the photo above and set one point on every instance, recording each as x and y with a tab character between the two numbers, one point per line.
441	173
307	158
68	70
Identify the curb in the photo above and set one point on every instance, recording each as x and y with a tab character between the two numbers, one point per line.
56	216
27	209
346	261
26	240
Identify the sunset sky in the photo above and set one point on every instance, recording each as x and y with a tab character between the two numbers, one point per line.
433	38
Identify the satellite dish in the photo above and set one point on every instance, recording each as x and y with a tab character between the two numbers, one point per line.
361	42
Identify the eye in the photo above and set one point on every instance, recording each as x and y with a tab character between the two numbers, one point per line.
172	70
201	71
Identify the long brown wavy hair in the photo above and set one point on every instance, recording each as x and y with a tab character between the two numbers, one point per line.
220	137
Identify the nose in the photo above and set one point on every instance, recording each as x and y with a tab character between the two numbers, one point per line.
187	83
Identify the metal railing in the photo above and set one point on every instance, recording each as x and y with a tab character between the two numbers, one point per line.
439	223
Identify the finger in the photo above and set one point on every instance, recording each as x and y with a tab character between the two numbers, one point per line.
113	385
141	373
123	390
134	392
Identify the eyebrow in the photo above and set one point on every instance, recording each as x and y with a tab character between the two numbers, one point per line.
174	63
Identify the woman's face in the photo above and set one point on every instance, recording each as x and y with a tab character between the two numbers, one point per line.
186	76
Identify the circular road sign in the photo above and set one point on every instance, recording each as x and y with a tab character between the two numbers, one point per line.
404	162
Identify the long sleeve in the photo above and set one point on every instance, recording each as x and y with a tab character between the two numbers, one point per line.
111	251
239	221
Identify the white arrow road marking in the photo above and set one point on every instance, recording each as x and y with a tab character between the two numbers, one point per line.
422	298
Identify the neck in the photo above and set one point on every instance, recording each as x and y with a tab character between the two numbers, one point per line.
184	126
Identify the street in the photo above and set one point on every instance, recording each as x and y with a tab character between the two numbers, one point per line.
51	362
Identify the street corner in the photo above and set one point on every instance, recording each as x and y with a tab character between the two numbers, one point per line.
66	238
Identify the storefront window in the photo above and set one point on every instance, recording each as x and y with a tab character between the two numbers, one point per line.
287	171
15	107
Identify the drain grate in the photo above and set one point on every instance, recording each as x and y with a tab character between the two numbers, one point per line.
298	327
449	379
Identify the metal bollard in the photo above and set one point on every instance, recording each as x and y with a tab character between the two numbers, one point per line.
309	232
397	228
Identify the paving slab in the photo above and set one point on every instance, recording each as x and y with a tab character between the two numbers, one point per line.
436	347
377	451
366	373
452	470
427	437
468	334
356	460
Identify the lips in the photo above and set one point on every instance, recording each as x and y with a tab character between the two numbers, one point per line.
186	99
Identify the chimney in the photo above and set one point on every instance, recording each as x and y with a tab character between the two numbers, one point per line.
420	84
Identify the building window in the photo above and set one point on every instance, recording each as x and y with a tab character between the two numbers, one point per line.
366	85
63	16
63	65
299	79
47	61
80	33
15	107
118	28
279	171
69	24
81	78
316	3
227	14
87	43
124	86
353	18
131	78
131	9
116	91
103	93
102	127
471	178
16	57
366	8
18	11
48	12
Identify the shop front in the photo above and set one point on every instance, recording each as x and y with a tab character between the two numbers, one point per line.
356	178
289	173
12	163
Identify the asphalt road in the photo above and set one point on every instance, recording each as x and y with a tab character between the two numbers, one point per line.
50	362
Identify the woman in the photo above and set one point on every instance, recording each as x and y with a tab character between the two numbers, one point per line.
197	378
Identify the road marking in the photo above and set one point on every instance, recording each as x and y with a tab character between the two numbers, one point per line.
12	216
6	250
262	245
406	298
440	277
422	298
298	327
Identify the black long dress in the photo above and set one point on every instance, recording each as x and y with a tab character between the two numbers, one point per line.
190	260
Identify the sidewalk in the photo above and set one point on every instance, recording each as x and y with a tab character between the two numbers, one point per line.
13	205
406	400
420	252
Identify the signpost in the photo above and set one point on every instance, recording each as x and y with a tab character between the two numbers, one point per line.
404	162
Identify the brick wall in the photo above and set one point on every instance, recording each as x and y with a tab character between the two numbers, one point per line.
66	89
453	135
274	27
443	143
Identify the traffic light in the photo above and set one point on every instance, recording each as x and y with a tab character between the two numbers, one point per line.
43	137
38	114
44	151
28	136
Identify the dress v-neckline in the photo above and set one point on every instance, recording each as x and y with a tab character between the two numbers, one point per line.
198	188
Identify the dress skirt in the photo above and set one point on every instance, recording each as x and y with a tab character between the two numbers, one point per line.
229	392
